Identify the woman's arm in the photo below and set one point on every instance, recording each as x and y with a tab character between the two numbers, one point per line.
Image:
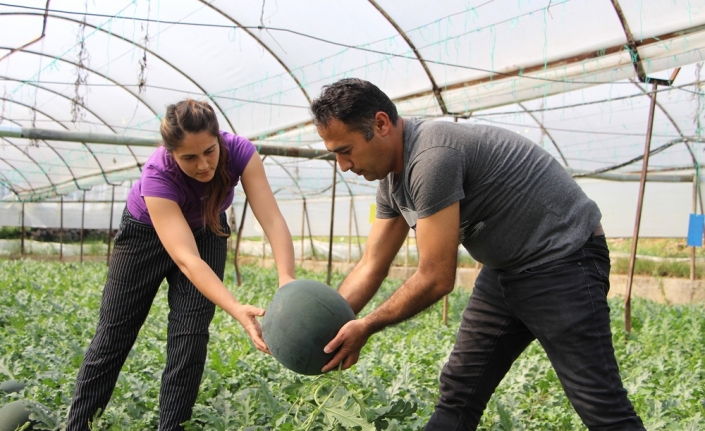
177	238
266	210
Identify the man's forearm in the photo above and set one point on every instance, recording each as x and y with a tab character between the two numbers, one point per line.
360	286
417	294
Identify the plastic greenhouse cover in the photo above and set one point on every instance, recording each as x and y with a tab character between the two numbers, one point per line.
568	74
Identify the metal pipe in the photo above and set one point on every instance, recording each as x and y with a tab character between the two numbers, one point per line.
332	222
96	138
640	202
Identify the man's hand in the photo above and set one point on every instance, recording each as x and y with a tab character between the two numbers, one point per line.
349	341
246	315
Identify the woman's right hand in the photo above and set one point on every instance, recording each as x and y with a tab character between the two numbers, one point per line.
247	316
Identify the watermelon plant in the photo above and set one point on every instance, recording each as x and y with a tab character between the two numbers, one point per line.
48	313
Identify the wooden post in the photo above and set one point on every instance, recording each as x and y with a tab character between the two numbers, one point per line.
332	221
350	213
357	230
232	227
61	231
445	310
237	244
110	227
22	232
310	232
83	217
303	231
695	208
640	202
406	252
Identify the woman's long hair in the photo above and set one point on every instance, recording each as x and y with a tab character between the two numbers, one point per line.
190	116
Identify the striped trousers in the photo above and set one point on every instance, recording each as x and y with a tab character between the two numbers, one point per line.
137	267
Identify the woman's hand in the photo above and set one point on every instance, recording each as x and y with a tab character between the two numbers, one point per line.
247	316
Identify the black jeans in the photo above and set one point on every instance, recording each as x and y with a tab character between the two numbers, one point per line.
563	304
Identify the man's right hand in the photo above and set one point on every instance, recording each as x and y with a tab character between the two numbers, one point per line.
351	338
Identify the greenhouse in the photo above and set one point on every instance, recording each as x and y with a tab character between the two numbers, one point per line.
613	90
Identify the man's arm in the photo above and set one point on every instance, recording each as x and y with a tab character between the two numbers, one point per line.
437	242
383	243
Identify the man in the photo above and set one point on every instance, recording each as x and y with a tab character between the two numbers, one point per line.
516	210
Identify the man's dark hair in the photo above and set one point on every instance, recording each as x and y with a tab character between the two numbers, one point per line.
354	102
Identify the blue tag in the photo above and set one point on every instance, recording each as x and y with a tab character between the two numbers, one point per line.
695	230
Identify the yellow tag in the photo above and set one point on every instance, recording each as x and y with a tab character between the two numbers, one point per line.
373	211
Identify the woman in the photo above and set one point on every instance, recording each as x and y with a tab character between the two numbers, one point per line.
174	227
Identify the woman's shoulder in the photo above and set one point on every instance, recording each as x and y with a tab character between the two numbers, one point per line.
240	150
231	139
159	161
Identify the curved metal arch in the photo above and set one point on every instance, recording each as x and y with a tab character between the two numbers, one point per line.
301	192
95	72
436	90
73	176
139	99
41	36
80	104
34	84
342	178
263	45
8	183
673	123
543	129
631	42
137	44
35	162
35	109
82	143
29	183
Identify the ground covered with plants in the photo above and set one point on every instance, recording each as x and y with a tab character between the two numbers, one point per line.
48	312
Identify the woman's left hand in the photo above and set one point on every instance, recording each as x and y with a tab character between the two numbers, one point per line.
247	316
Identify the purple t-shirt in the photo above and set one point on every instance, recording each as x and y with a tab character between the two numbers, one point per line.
162	178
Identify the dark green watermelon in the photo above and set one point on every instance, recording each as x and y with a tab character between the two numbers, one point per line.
302	318
11	386
14	415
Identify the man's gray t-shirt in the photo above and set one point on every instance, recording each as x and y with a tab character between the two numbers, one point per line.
518	206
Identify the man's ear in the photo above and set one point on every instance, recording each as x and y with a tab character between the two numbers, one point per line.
382	123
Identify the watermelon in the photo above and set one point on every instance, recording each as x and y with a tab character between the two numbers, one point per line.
14	415
11	386
303	316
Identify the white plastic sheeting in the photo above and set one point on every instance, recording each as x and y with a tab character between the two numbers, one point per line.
665	213
564	73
